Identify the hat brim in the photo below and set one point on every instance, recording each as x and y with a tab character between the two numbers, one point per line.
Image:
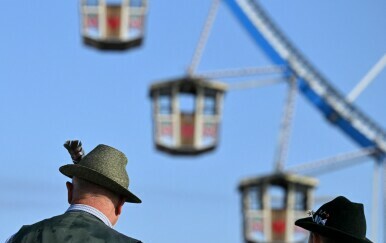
310	225
99	179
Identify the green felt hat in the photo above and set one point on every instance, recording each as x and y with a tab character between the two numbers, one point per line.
104	166
339	219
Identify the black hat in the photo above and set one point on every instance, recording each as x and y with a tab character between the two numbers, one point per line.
339	219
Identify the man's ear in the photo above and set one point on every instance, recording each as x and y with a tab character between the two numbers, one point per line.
118	209
70	189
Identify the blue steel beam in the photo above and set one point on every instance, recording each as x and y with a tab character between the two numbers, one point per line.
311	83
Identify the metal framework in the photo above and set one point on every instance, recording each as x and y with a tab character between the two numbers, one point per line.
350	119
316	88
301	76
338	109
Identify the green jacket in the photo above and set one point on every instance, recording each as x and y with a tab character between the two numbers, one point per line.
71	227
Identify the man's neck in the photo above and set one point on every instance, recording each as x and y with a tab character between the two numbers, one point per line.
104	206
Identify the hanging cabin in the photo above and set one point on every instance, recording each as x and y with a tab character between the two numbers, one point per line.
186	115
272	203
113	25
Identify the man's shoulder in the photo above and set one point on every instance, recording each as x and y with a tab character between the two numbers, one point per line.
26	230
93	225
122	238
39	223
74	225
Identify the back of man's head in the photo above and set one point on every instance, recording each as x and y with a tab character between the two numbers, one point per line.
81	191
318	238
85	191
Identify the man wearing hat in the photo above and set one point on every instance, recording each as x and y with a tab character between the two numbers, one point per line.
97	193
338	221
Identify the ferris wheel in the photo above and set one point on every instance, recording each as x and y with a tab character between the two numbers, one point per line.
179	132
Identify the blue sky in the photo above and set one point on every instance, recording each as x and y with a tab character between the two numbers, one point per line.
52	88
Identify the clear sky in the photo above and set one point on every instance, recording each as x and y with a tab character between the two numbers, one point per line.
52	88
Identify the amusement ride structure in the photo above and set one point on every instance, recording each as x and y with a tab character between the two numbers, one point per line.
268	216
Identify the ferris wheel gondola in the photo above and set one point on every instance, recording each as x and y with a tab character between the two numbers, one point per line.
187	115
113	25
271	203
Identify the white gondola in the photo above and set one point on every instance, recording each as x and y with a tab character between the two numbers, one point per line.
186	115
272	203
113	25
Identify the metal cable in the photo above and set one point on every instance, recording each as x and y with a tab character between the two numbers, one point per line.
374	209
250	84
238	72
203	37
384	199
286	125
367	79
323	165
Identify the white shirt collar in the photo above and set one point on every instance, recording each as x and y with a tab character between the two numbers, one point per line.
90	210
